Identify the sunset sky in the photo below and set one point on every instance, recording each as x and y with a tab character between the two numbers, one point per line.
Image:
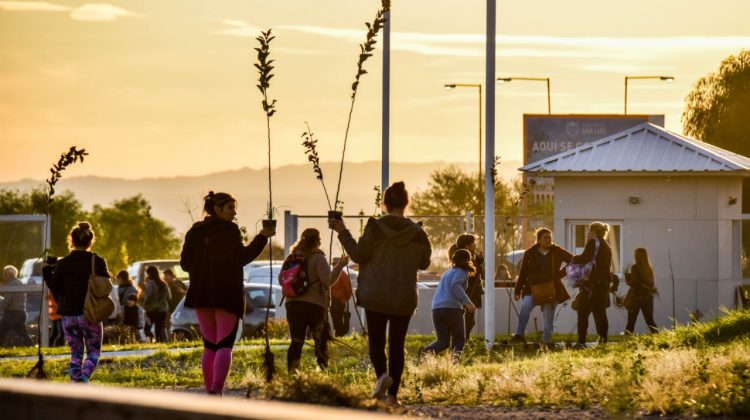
157	88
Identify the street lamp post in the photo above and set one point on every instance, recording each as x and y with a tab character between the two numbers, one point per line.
451	86
534	79
668	79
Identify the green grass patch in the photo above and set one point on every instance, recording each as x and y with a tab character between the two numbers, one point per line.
701	369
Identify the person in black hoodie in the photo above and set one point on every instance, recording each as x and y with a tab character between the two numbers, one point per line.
594	296
214	255
68	282
640	297
390	252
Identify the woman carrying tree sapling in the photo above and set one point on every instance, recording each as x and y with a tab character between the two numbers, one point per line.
448	306
213	255
390	252
308	309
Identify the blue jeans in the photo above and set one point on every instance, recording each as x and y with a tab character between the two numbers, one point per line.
548	312
449	323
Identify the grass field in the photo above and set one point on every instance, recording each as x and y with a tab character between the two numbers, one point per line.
701	369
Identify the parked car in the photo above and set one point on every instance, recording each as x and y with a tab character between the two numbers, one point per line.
185	322
31	274
137	270
260	274
31	271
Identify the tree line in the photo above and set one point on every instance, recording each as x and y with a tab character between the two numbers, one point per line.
126	231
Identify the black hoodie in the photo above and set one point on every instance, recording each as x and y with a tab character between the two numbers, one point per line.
213	255
390	252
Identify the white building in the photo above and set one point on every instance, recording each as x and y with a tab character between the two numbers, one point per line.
671	194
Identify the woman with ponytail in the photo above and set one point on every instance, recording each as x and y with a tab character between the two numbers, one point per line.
593	297
69	284
308	309
214	255
390	252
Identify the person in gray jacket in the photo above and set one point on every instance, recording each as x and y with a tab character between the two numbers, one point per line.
156	302
390	252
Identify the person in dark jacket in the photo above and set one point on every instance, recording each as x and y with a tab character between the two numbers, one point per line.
594	296
69	283
156	302
390	252
541	264
475	286
214	255
640	296
177	289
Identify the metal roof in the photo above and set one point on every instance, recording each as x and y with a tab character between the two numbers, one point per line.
643	148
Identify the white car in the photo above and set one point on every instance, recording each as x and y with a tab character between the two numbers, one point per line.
31	271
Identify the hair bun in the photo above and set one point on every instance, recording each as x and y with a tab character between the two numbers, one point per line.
84	226
400	186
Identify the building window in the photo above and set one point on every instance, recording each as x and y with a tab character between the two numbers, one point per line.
577	231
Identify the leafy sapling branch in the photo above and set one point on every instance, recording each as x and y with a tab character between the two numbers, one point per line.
366	50
310	143
378	200
72	156
264	66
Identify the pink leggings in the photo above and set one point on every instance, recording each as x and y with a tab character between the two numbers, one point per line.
218	328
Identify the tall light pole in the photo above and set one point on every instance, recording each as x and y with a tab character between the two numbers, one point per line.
534	79
450	86
668	79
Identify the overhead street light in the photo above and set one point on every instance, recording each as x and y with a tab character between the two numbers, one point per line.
668	79
533	79
451	86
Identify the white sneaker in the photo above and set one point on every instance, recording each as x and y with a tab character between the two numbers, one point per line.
381	386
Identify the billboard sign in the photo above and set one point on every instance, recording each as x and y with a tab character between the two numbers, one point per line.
547	135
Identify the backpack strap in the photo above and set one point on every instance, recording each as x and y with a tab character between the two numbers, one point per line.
93	258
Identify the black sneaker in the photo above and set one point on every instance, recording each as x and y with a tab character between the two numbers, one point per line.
517	339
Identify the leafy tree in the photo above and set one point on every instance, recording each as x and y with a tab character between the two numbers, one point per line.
22	240
127	232
452	192
717	108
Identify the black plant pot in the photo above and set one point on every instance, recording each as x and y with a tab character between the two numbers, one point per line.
333	214
269	223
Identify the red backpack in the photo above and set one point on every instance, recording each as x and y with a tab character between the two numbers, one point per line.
293	276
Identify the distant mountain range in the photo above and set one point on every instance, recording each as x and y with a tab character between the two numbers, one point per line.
295	189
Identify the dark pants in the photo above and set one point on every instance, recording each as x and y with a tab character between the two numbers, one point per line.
158	318
399	324
15	321
469	322
340	317
300	316
449	324
597	305
57	338
645	305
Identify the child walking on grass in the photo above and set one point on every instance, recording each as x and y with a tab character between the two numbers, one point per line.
449	304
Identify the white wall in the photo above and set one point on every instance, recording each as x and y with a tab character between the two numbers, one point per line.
688	218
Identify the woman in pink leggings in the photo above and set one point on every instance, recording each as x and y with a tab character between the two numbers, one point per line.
214	255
